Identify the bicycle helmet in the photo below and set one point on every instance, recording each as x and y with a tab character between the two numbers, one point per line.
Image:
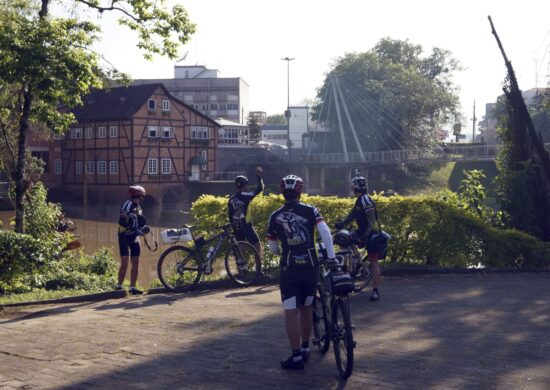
359	184
136	191
291	187
241	181
342	238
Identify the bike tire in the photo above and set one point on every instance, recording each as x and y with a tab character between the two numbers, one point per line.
243	268
179	269
362	275
321	323
342	338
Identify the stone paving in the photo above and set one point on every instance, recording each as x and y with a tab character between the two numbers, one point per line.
426	332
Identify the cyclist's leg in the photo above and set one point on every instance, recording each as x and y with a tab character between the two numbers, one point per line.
290	296
124	258
135	250
308	286
375	267
253	238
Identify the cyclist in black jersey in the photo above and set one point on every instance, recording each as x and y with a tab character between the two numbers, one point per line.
368	230
294	226
132	224
239	210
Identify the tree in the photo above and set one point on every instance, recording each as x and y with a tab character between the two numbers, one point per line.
253	127
48	61
396	98
276	119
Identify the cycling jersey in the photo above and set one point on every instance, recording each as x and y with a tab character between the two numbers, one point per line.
239	212
293	224
131	217
363	206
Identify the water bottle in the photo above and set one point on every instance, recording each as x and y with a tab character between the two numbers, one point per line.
209	253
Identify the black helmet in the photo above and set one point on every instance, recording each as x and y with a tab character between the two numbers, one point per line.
359	184
291	187
241	181
342	238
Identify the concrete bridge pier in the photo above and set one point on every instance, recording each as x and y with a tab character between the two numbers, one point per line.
314	180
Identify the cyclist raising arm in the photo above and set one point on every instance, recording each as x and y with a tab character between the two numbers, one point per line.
293	225
239	211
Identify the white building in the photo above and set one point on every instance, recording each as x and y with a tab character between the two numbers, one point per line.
299	124
232	133
207	92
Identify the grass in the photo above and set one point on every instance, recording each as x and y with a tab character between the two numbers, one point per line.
41	295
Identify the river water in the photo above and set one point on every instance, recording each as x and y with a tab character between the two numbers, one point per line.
96	234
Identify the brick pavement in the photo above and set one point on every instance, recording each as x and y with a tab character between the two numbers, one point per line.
427	332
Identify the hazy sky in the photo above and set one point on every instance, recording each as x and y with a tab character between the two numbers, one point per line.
247	39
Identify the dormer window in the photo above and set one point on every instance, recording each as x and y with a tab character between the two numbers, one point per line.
166	105
152	104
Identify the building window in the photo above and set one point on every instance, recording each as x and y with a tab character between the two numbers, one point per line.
57	167
89	132
76	133
57	136
113	167
102	132
102	167
166	166
199	132
113	131
152	104
152	166
166	105
153	131
90	167
167	132
78	167
213	106
223	106
204	155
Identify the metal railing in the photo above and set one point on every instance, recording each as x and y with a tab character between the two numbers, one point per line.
222	176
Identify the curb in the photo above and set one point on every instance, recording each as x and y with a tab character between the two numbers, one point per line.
459	271
75	299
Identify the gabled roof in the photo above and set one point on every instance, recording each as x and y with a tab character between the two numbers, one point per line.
121	103
113	103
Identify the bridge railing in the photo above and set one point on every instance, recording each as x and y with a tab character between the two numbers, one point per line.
224	176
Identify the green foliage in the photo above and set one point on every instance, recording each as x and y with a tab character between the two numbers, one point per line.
253	126
394	88
434	231
276	119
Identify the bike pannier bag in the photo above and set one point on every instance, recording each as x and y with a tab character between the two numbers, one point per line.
340	283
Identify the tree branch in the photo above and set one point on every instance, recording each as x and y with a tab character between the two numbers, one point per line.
111	8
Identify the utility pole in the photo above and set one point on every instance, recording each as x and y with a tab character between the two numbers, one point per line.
474	120
287	112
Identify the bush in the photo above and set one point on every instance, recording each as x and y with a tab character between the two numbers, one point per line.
426	230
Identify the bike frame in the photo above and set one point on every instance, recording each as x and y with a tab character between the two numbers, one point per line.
219	238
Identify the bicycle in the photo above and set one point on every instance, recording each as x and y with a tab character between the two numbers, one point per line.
357	264
331	315
180	268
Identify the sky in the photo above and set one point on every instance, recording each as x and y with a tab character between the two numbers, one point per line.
248	39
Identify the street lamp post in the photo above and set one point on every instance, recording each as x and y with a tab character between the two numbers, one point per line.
287	112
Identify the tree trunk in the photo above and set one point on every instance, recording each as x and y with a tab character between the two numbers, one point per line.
20	185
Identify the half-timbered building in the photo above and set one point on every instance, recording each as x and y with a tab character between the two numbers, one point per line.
132	135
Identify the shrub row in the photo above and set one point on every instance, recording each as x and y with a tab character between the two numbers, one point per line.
425	230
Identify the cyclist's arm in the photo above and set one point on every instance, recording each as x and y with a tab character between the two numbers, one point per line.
348	219
326	237
123	220
260	186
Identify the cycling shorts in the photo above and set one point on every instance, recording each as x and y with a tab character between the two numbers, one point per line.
298	286
246	232
377	244
128	245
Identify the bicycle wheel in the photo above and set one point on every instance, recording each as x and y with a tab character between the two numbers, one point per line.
178	269
362	275
342	338
243	264
321	324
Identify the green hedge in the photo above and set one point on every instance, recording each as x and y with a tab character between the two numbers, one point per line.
425	230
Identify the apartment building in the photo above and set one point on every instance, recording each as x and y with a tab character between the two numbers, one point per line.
207	92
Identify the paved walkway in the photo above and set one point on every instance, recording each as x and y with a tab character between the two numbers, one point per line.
427	332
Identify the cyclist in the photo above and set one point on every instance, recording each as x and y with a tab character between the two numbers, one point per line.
239	211
293	224
368	230
132	224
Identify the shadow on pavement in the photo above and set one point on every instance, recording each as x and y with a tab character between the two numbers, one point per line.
457	332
